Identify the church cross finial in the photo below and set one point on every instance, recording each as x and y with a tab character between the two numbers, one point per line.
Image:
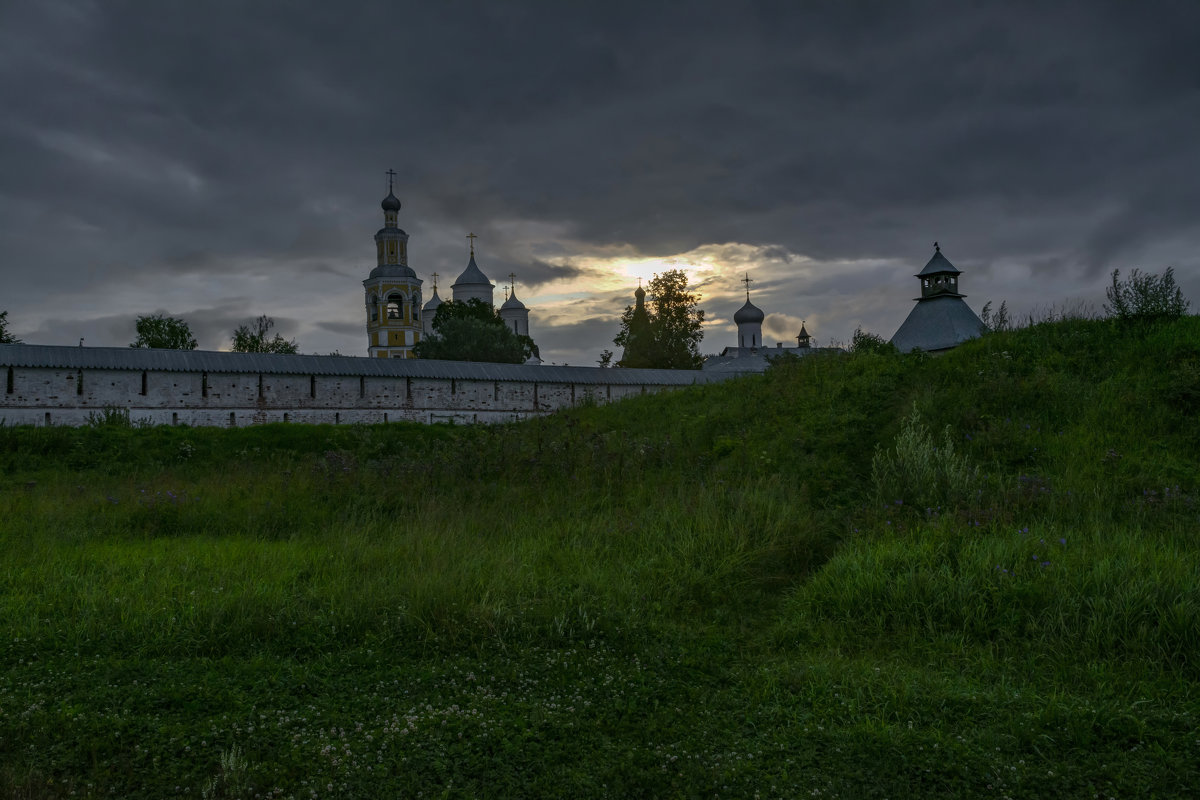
435	277
512	280
746	280
472	237
391	173
937	248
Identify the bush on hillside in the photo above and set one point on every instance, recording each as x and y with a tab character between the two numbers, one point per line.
920	473
997	321
1145	297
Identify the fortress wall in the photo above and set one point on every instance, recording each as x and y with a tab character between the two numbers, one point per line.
58	396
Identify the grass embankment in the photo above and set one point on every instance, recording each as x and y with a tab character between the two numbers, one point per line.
711	592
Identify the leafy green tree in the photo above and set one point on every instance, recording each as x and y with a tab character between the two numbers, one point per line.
1145	297
473	331
6	336
253	338
667	334
865	342
167	333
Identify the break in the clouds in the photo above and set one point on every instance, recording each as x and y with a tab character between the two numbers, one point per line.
222	160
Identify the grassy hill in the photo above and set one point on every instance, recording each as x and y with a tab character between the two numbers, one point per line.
854	576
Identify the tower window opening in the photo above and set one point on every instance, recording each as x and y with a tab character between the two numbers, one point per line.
9	389
393	306
144	382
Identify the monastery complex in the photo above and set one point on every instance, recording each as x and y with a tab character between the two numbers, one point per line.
59	385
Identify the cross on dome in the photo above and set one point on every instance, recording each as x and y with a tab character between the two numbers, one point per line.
472	237
746	280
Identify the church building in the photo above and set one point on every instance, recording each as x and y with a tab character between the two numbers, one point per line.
751	354
941	318
396	319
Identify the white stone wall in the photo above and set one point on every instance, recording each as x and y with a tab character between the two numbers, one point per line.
55	396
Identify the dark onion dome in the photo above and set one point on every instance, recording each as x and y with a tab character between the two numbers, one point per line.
390	203
748	313
392	271
640	293
472	275
513	302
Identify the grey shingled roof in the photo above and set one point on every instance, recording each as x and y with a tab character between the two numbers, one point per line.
937	323
68	357
938	265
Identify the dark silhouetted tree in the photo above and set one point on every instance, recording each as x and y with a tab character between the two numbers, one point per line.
253	338
665	334
167	333
473	331
6	336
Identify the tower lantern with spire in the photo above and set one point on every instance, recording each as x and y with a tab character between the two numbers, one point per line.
393	290
941	318
803	339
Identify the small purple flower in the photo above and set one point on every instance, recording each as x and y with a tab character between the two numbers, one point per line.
1062	541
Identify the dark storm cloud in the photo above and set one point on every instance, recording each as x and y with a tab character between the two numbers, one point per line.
216	141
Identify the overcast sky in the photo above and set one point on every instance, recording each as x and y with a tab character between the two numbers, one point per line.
217	161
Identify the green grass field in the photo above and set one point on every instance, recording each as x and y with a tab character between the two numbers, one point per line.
855	576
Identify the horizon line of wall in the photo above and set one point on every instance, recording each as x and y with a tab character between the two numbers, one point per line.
75	397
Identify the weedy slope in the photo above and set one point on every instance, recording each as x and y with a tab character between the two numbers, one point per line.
854	576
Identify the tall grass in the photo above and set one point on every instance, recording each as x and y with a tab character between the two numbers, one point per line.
967	575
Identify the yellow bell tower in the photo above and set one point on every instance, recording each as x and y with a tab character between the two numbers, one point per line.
393	290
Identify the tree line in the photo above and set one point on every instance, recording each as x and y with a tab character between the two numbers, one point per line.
664	333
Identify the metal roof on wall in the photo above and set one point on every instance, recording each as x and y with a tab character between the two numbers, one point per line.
68	357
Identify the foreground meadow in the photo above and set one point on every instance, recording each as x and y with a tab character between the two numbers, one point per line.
860	576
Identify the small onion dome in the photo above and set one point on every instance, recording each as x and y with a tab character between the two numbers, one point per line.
640	293
748	313
390	203
392	271
513	303
432	306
